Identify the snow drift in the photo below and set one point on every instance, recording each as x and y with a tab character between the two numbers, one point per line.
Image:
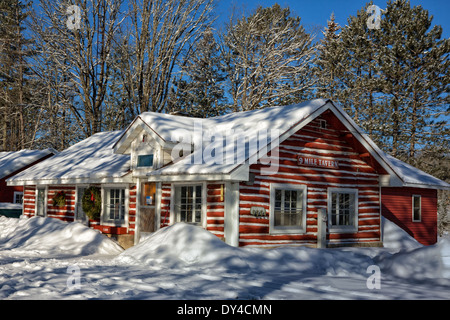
412	260
186	246
52	236
395	237
182	245
423	263
186	262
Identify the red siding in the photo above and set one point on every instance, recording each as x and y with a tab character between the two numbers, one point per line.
397	207
7	193
165	205
29	201
354	171
131	211
67	213
215	208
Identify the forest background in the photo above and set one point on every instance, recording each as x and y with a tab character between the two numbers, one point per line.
70	69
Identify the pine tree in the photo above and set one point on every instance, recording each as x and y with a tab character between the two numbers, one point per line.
414	61
393	81
199	88
327	62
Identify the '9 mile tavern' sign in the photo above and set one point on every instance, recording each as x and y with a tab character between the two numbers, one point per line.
317	162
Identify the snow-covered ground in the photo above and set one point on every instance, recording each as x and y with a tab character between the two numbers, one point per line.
42	258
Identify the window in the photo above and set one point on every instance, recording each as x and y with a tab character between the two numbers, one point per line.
322	123
18	197
40	201
288	209
188	204
342	210
145	160
114	211
416	208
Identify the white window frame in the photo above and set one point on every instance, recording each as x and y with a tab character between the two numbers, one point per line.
76	218
17	193
337	228
420	207
105	220
45	200
287	229
323	124
173	213
145	155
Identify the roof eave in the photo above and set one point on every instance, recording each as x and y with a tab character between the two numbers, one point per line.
127	178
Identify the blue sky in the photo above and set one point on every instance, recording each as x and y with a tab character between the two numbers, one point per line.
317	12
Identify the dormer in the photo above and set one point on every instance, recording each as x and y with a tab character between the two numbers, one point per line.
148	149
145	154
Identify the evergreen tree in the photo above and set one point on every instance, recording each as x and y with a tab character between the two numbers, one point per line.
327	63
357	69
414	61
199	89
393	81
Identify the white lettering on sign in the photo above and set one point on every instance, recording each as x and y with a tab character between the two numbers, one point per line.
317	162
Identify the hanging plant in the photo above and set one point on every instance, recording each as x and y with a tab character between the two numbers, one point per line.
92	202
59	199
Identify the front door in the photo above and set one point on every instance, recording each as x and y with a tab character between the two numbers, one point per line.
147	210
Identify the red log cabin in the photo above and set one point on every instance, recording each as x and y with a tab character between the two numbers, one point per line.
262	178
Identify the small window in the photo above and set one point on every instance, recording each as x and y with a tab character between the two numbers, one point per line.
322	123
145	160
416	208
288	205
18	197
343	212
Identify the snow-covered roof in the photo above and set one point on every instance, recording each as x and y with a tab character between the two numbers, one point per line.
282	120
274	122
90	160
279	118
413	177
13	161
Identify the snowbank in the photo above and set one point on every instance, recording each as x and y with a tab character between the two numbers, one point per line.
51	236
413	260
186	262
182	245
423	263
395	237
